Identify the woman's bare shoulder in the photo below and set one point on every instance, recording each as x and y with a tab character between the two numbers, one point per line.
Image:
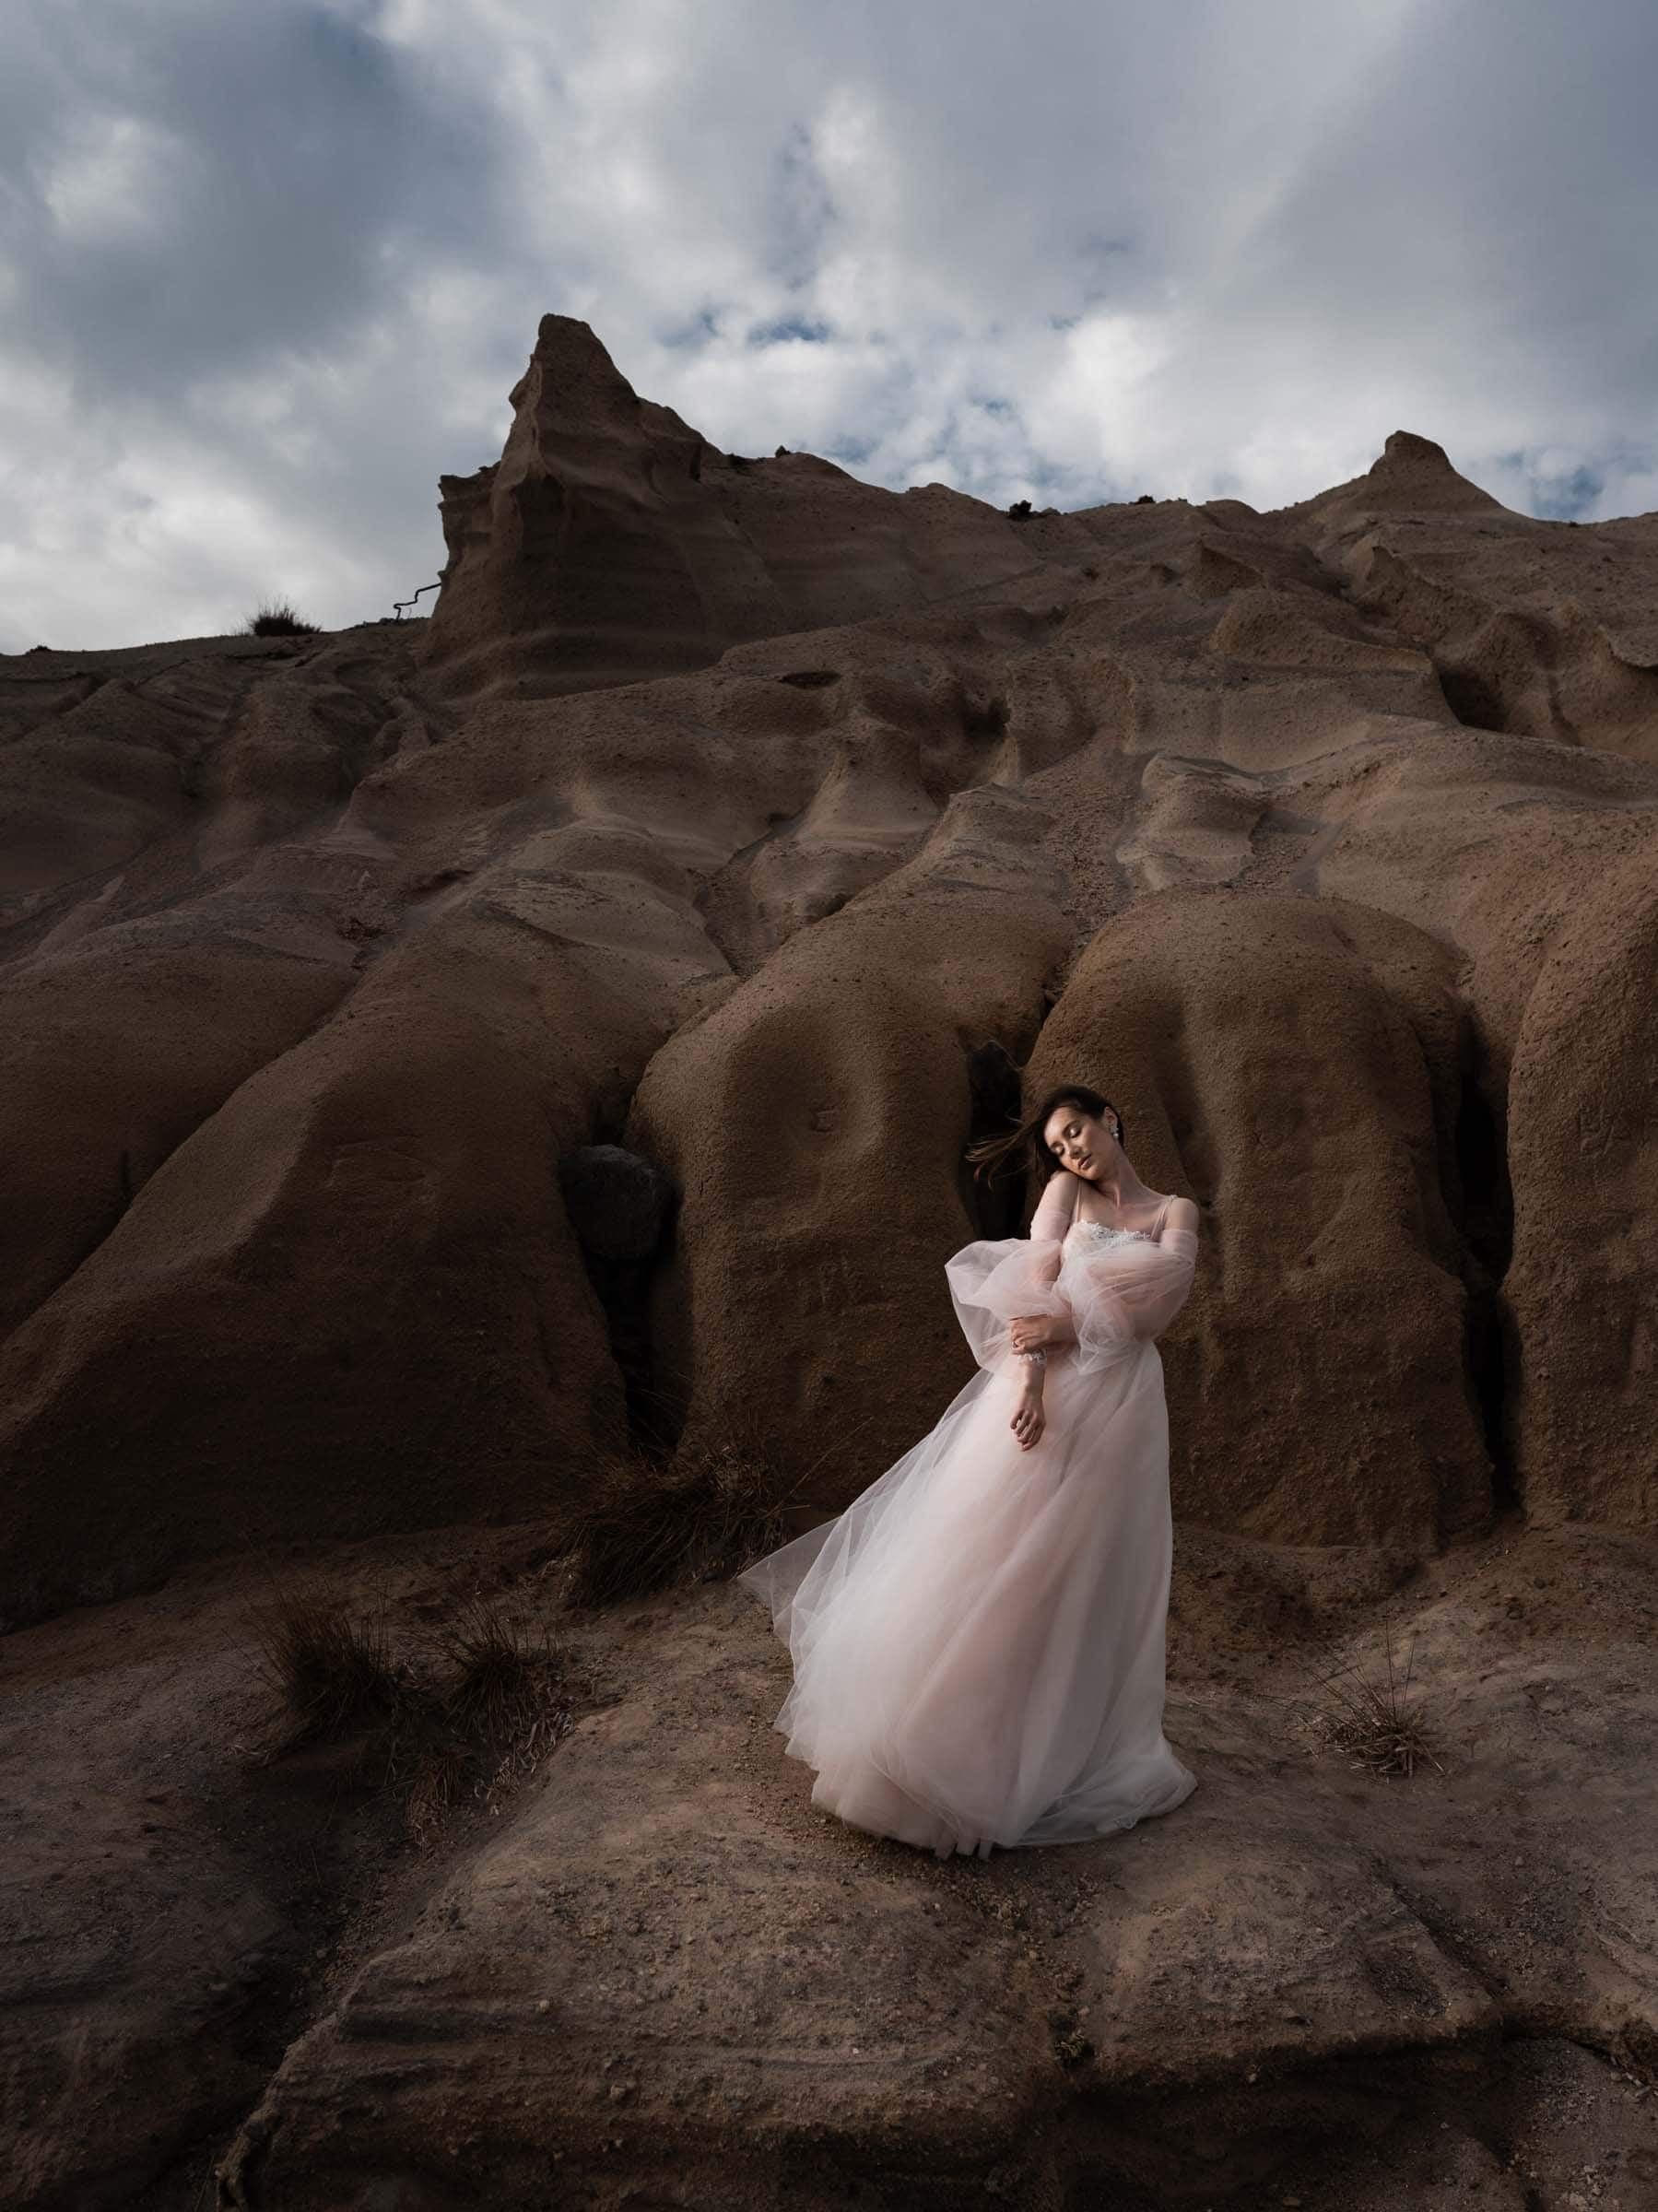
1182	1214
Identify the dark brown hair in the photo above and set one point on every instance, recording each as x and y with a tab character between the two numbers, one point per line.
1024	1145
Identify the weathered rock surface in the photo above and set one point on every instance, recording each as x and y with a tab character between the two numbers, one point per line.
732	805
668	1980
1544	630
816	1122
1301	1056
1307	1981
774	827
612	541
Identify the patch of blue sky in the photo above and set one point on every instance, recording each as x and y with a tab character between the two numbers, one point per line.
1566	497
1555	493
791	329
697	331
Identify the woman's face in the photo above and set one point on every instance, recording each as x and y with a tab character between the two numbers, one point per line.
1081	1140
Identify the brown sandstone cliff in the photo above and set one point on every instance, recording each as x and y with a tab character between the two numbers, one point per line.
740	812
732	805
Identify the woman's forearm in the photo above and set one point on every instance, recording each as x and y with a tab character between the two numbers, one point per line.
1031	1369
1036	1329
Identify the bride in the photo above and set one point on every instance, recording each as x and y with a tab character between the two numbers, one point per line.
978	1640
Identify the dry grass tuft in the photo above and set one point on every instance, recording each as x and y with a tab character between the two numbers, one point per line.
488	1704
505	1698
331	1672
646	1524
433	1782
1375	1723
280	622
698	1516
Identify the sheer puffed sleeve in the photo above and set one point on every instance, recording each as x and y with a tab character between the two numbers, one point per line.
1121	1294
995	1281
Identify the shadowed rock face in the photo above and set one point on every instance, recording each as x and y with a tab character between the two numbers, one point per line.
668	1976
727	808
1297	1059
1545	629
658	1974
816	1122
423	1045
610	541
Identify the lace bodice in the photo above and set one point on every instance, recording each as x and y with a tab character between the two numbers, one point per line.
1105	1229
1114	1288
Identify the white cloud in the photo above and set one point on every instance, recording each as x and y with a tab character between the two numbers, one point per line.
270	271
109	179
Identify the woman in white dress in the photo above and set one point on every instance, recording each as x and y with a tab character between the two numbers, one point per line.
978	1640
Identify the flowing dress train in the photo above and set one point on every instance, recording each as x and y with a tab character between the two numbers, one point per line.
977	1639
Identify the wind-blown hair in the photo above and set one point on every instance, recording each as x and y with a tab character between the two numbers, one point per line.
1023	1145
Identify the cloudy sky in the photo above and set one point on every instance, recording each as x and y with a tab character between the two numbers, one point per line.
267	269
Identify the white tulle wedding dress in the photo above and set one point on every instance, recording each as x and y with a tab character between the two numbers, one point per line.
978	1640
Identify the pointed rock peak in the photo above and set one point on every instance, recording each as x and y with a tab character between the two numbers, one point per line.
571	378
1404	446
1414	472
572	348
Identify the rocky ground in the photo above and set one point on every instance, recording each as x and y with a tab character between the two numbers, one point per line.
653	1974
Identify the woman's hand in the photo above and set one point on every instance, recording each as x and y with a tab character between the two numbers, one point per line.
1036	1332
1028	1422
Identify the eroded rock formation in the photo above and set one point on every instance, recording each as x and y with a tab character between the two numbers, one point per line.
746	833
730	805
